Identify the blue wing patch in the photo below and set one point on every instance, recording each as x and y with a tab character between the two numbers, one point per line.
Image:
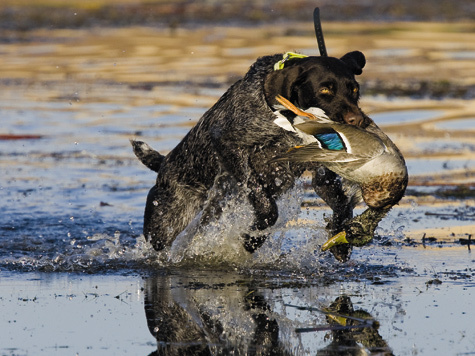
331	141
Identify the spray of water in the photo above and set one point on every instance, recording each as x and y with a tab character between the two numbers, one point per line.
292	244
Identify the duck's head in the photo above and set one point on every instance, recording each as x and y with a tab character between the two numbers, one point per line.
359	231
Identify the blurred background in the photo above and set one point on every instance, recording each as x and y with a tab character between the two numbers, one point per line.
29	14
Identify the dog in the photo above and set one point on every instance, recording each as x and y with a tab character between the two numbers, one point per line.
232	145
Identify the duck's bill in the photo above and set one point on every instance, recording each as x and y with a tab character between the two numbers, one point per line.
340	319
338	239
287	104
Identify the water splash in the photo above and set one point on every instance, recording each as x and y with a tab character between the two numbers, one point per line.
292	243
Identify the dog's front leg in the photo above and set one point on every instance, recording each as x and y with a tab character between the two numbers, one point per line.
265	213
329	187
235	161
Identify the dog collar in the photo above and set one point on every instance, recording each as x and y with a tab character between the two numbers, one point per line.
288	55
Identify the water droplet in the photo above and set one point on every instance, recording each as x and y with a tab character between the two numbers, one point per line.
155	203
321	171
278	182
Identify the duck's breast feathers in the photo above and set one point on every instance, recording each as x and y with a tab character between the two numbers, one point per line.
385	191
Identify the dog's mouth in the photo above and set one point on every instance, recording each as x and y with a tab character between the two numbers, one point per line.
353	117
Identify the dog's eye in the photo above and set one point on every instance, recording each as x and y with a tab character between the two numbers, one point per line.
355	90
325	91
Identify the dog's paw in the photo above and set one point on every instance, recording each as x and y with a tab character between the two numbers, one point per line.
252	243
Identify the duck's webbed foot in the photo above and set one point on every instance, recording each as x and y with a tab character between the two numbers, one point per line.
359	231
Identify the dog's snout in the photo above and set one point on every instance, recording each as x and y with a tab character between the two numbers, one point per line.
355	119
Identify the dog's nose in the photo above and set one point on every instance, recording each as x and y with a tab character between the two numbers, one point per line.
354	119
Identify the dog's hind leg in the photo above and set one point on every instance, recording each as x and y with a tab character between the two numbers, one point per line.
147	155
167	214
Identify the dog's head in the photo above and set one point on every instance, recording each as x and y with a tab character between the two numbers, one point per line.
324	82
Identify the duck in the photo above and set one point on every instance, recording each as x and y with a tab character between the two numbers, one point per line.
364	156
290	122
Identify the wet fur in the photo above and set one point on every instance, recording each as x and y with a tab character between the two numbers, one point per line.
231	145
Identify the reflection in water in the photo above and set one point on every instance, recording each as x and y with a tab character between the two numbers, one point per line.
194	316
352	328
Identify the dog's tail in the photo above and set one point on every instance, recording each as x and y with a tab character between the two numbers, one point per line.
147	155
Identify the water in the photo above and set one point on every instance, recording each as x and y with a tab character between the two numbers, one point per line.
377	308
72	204
77	276
404	116
458	125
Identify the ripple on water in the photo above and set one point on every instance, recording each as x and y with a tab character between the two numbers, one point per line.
425	166
404	116
467	124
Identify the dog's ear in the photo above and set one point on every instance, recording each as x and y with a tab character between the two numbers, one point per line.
355	60
280	82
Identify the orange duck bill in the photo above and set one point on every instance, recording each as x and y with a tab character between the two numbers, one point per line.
288	105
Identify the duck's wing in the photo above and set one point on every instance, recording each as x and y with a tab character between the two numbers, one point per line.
347	138
315	153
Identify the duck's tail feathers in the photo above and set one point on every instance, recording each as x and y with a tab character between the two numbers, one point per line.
147	155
